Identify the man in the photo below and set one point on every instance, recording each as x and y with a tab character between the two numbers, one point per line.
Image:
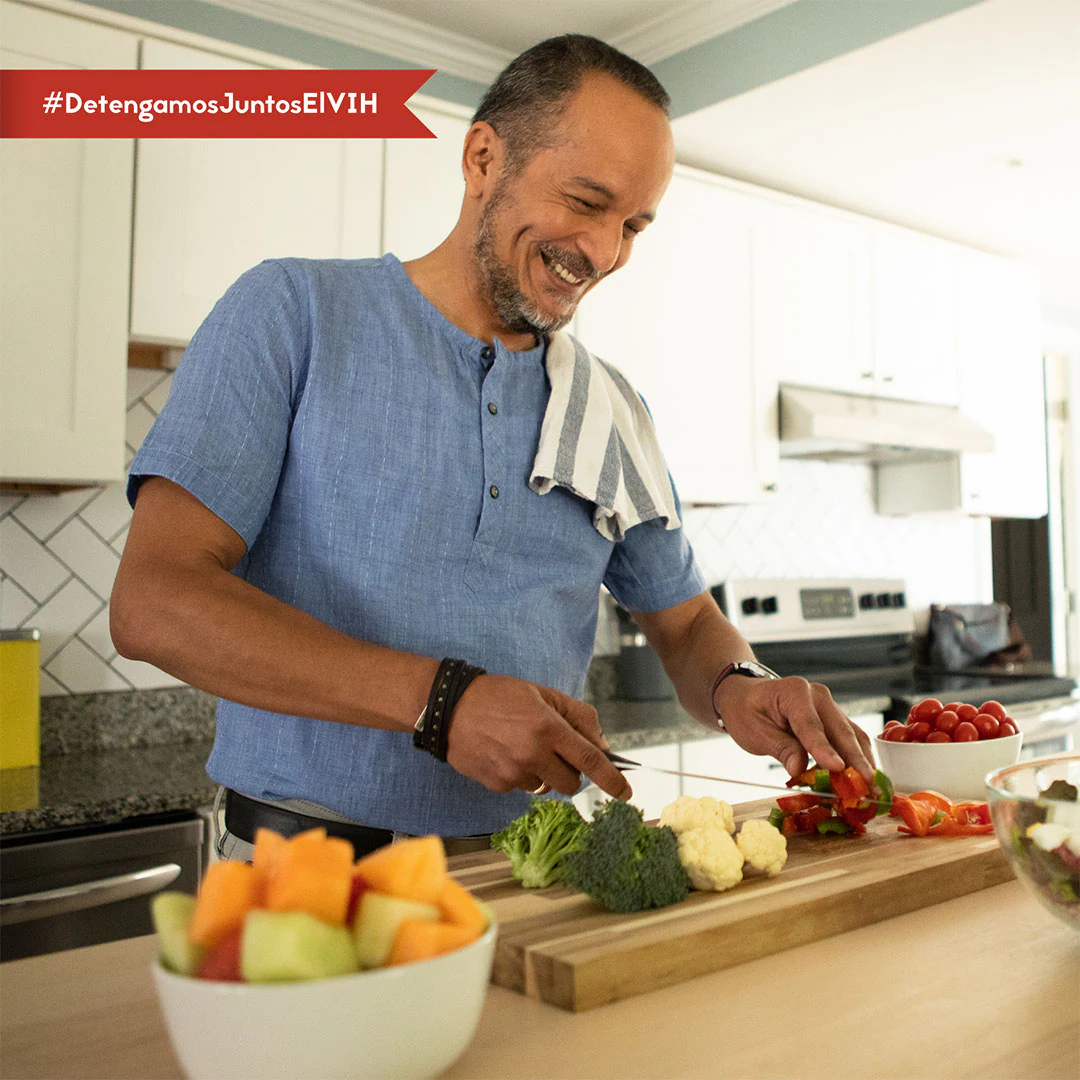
336	495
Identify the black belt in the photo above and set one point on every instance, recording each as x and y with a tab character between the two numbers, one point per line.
243	816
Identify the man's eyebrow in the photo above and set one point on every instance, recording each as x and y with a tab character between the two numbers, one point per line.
606	192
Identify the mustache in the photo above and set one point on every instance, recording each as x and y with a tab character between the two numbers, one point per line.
579	265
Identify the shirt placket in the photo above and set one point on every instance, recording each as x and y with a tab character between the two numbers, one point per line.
494	367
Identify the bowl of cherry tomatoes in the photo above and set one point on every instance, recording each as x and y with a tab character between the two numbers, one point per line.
948	747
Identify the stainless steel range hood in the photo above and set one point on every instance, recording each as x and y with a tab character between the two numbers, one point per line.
833	426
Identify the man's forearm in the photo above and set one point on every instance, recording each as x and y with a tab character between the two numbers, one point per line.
694	641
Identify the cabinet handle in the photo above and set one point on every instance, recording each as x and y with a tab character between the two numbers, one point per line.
88	894
887	378
866	375
768	487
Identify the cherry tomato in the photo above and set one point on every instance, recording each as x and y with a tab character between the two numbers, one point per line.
939	736
967	712
892	724
919	731
952	706
900	733
926	710
1006	728
965	732
994	708
947	720
986	725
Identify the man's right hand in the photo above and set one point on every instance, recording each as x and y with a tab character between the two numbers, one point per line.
509	733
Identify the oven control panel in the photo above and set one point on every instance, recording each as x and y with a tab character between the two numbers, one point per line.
799	608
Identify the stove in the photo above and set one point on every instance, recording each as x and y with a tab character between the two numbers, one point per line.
857	636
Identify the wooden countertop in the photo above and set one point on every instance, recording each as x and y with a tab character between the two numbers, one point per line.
985	986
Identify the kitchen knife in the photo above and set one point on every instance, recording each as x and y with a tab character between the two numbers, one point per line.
624	763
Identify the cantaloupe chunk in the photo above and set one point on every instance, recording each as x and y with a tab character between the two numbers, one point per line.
268	848
414	869
457	905
416	940
312	874
229	891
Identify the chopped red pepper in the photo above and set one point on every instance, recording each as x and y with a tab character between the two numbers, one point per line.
807	820
792	804
917	815
849	785
971	813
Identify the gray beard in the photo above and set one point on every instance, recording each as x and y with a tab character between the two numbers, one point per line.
512	307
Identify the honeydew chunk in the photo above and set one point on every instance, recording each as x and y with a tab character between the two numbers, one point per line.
377	920
290	946
171	913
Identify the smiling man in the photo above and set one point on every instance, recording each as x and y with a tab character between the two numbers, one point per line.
340	531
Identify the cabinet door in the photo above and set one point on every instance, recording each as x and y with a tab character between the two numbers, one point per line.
206	210
424	186
914	320
820	298
652	790
65	236
683	319
1002	387
722	756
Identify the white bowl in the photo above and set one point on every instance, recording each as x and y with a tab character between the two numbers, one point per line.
956	770
411	1020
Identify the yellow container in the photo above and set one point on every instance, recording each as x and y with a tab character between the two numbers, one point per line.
20	699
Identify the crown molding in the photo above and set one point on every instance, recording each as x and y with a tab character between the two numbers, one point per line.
383	31
687	23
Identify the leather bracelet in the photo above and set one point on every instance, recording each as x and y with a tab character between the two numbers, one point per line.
432	730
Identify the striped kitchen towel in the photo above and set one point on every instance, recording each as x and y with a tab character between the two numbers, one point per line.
597	440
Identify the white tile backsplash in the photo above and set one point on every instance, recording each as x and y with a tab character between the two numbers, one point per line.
58	554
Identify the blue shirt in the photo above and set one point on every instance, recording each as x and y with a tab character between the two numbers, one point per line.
375	460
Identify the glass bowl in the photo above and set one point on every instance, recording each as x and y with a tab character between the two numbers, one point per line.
1040	834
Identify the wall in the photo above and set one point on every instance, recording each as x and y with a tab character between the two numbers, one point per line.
59	553
58	558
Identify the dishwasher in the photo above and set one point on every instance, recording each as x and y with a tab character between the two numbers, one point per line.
66	888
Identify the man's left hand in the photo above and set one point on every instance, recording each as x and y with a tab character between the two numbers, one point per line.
792	720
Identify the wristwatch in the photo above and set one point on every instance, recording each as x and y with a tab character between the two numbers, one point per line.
753	668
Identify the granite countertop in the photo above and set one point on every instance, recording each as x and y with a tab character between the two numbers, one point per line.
108	758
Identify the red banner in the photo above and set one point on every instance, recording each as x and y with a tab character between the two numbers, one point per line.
305	104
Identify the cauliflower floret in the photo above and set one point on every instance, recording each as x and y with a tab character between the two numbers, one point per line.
710	858
763	846
686	813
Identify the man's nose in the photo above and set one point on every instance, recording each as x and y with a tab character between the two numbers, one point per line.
602	245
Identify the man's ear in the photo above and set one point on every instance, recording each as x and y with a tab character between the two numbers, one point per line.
481	159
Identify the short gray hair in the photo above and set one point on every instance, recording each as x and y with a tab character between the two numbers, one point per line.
532	92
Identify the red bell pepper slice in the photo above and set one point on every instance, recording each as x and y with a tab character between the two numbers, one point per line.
807	820
971	813
859	815
849	784
792	804
917	816
935	799
788	826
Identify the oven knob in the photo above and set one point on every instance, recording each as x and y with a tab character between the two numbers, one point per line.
769	605
898	599
866	601
884	599
750	605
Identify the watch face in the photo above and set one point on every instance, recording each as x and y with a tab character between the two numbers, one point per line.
752	667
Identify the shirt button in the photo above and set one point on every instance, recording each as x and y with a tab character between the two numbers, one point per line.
493	408
494	491
487	353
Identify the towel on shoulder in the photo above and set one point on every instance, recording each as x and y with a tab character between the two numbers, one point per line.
597	440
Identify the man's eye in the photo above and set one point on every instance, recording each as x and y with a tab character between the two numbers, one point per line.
584	203
632	229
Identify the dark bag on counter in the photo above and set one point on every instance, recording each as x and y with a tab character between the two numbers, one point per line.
974	635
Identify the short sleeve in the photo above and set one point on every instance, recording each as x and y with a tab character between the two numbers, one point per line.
223	432
653	567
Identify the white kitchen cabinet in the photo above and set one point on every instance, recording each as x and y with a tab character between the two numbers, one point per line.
722	756
424	185
685	320
820	298
652	790
914	318
65	239
1001	389
206	210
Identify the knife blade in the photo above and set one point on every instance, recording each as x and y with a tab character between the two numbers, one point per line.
625	763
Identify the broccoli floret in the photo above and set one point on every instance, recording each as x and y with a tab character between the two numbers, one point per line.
625	866
537	841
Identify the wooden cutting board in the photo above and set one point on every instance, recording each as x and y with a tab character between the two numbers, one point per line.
557	946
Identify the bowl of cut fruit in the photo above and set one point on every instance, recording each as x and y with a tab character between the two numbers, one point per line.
306	962
1036	815
948	748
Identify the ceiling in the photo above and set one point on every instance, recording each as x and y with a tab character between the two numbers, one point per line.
955	117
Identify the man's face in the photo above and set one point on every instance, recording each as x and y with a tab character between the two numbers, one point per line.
548	234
